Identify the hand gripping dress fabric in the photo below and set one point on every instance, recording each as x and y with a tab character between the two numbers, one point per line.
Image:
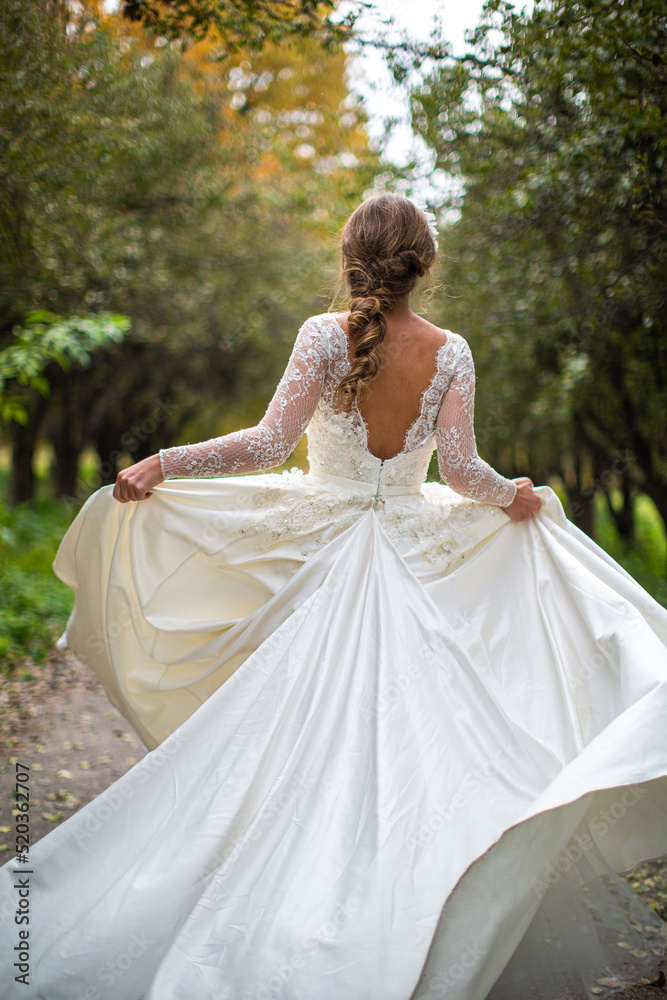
400	745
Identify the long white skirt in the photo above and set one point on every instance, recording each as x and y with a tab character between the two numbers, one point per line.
393	746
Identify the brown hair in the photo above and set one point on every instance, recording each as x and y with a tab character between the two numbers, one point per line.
386	248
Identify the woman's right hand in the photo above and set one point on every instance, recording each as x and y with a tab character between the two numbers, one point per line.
526	502
137	482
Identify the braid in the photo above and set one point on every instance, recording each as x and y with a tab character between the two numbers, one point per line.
375	283
367	328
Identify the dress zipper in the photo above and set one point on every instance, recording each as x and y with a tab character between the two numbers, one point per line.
377	498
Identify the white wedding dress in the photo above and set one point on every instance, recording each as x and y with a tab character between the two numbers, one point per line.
400	744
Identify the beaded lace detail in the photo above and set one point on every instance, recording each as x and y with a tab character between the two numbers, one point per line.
459	464
275	437
435	529
338	442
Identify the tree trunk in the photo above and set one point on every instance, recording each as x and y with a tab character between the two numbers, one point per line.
581	498
582	508
106	444
624	518
65	468
66	439
24	439
23	476
658	494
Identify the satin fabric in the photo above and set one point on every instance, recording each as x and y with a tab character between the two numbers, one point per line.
368	758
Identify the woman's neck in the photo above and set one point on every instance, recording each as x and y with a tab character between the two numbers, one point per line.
401	310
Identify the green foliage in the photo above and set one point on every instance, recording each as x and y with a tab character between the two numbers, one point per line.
245	23
192	193
646	557
34	604
553	132
47	338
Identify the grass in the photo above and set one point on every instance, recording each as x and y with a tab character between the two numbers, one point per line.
34	604
646	560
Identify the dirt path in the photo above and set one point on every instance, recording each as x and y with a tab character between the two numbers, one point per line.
76	744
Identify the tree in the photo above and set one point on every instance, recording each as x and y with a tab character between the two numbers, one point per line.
242	24
46	343
556	134
190	193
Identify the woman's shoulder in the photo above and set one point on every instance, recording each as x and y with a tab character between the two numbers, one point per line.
457	341
323	322
450	346
321	319
449	338
328	330
443	333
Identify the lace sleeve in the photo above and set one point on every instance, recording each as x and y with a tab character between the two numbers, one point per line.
274	438
460	465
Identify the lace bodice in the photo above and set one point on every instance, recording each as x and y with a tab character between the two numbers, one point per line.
338	442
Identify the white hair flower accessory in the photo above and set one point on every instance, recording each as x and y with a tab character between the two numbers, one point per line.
430	218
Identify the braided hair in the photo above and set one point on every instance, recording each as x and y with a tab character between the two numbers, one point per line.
386	248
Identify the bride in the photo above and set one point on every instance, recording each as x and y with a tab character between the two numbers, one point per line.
402	734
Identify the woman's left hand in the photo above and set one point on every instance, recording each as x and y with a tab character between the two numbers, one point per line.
526	501
136	482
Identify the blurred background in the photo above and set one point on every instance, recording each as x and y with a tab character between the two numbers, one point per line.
173	180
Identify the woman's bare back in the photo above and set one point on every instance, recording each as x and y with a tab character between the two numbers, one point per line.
408	365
